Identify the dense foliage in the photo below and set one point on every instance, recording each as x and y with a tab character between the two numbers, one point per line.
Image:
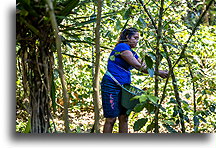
167	41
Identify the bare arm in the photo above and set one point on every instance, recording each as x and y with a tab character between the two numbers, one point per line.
137	64
144	67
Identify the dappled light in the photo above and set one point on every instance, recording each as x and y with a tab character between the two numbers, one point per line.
62	54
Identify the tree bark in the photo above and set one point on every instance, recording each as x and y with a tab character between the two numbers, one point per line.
96	84
60	64
176	92
158	57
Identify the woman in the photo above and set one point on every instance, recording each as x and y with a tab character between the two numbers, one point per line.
122	59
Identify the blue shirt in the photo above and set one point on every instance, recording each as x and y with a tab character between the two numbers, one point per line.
118	67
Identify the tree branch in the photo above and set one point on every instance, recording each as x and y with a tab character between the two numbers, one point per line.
149	14
192	33
176	92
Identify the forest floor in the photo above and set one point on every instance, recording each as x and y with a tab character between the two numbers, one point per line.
83	121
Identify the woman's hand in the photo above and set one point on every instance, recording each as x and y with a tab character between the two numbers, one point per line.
163	73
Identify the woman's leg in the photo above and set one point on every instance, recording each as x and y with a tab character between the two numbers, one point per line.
108	126
123	124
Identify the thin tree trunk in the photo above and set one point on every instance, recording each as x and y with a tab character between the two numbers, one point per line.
176	92
158	57
60	64
159	31
193	84
96	84
181	56
194	89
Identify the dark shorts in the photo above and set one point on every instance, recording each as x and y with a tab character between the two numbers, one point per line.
111	99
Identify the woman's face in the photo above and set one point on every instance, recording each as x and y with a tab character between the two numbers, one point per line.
133	40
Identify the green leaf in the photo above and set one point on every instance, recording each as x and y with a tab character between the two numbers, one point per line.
149	62
127	14
150	127
128	112
196	120
117	53
212	108
153	99
199	99
169	128
31	27
134	98
174	46
27	2
187	95
107	34
177	121
28	126
204	120
139	124
172	100
150	107
186	118
152	55
175	111
196	129
180	111
139	107
184	102
69	5
112	57
164	54
162	108
24	12
118	25
169	122
141	23
143	98
150	72
86	22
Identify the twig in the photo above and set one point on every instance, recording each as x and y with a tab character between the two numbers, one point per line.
149	14
155	3
73	56
169	5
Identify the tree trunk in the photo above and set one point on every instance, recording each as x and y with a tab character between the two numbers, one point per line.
158	57
96	84
38	86
61	72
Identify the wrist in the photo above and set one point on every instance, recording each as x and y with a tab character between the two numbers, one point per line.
143	69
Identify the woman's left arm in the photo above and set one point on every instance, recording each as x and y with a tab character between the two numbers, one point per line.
162	73
137	63
144	67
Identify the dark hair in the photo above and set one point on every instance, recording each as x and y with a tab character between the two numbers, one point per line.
126	32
